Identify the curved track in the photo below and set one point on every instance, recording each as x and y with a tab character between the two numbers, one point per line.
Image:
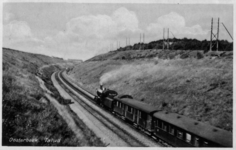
129	137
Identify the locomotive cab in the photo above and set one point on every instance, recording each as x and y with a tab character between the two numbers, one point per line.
103	93
110	93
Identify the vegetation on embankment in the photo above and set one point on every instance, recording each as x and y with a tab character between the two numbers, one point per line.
198	88
162	54
90	139
180	44
179	48
28	118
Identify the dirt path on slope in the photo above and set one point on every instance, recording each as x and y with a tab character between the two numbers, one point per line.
62	111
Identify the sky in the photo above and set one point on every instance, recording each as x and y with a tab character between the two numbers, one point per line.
83	30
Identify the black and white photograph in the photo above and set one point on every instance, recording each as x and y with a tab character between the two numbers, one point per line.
120	74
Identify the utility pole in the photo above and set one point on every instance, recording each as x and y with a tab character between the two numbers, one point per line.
140	38
214	36
143	37
166	41
140	42
143	40
217	40
163	39
211	35
140	45
168	38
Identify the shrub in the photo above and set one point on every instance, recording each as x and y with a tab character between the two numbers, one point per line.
200	55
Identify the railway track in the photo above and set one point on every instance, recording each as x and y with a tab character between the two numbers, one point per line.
130	138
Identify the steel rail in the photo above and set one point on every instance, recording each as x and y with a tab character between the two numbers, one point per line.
123	134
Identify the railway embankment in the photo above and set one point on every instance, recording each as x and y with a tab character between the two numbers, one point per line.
28	117
83	135
193	84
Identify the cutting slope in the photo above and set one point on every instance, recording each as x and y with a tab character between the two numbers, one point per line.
198	88
28	118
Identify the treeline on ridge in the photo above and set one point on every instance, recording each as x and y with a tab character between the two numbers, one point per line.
181	44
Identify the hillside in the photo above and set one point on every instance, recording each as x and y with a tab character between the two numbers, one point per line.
179	48
23	66
180	44
191	83
161	54
27	115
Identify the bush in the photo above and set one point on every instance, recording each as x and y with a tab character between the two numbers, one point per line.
200	55
25	117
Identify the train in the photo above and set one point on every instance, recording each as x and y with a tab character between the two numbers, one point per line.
174	129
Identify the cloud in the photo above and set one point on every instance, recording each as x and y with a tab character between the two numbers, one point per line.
88	35
83	37
95	27
18	35
16	30
176	24
93	34
125	20
103	26
171	19
7	17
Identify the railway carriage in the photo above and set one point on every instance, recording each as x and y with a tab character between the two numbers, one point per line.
136	112
175	129
119	108
181	131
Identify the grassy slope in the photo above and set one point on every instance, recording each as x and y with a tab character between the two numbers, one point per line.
24	114
198	88
89	138
151	53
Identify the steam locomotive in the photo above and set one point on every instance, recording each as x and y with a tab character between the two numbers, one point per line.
176	130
